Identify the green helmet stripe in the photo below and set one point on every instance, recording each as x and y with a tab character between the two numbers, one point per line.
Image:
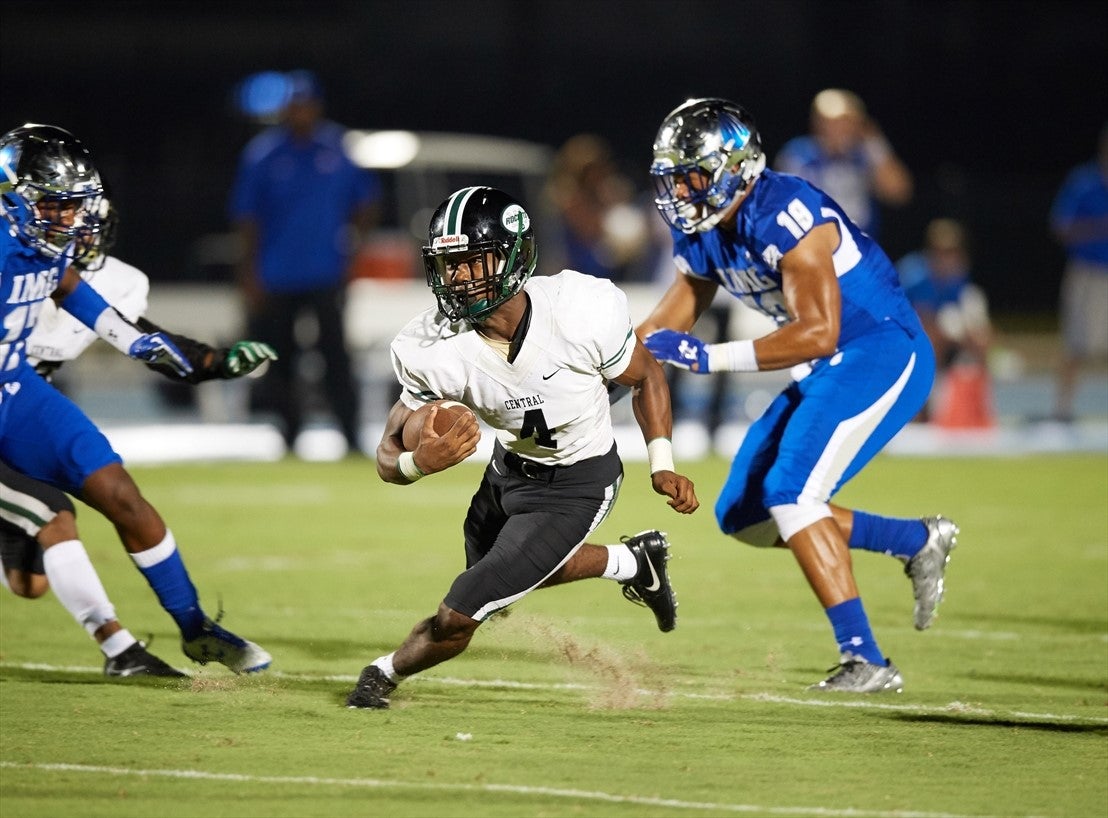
452	224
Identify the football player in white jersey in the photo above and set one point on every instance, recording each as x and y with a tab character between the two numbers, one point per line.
39	544
532	358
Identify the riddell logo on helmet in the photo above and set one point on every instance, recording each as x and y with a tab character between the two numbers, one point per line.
515	219
452	240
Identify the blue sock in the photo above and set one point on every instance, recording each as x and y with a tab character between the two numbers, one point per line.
170	580
887	535
852	631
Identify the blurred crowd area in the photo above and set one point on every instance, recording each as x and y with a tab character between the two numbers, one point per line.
594	213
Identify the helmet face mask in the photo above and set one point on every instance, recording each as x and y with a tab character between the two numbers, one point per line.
50	192
706	155
92	254
480	253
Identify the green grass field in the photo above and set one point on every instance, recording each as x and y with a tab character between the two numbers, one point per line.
574	704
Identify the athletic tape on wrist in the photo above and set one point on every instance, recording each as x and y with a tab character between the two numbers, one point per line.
407	466
116	330
659	452
734	356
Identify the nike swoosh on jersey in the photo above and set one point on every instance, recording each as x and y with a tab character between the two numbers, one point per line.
552	374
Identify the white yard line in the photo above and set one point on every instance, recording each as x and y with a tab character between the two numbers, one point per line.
873	703
513	789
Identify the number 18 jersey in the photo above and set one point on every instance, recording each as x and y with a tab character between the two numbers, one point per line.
780	210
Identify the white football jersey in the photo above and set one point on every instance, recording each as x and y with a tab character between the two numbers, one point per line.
58	336
550	404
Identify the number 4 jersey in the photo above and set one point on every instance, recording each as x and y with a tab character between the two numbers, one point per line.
550	404
780	210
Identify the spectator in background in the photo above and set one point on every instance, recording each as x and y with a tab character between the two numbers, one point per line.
1079	220
301	207
603	231
848	158
955	314
954	311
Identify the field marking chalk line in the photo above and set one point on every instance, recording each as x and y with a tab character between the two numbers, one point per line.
513	789
771	698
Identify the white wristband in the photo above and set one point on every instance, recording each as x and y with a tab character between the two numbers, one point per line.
659	452
115	329
734	356
407	466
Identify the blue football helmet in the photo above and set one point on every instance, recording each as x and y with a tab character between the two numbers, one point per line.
706	154
50	192
481	227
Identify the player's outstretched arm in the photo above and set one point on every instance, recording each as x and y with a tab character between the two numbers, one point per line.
651	403
208	362
80	300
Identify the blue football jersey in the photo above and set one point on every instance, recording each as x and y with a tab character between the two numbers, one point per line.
780	210
26	279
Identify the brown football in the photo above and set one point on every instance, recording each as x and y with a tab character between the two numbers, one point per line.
449	412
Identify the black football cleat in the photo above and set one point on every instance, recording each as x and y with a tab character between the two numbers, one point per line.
137	661
372	690
651	586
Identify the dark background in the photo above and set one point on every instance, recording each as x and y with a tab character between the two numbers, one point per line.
989	103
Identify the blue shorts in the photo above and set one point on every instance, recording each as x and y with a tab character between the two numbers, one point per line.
821	430
45	435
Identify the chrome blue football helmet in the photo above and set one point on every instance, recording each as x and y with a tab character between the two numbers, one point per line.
481	228
706	154
50	192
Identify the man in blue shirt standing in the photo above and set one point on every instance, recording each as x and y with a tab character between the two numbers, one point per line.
1079	220
847	157
300	206
862	365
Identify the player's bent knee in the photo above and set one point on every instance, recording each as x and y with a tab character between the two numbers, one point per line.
794	517
62	528
448	625
760	535
27	584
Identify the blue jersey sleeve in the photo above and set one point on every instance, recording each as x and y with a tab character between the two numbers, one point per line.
788	208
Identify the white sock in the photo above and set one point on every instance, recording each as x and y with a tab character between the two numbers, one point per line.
622	564
117	643
384	664
77	585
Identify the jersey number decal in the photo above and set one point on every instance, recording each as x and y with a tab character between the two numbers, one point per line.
19	320
798	220
534	425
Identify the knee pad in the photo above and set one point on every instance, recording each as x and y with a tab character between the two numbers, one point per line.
759	535
792	517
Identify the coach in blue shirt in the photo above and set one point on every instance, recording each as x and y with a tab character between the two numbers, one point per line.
300	205
1079	220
